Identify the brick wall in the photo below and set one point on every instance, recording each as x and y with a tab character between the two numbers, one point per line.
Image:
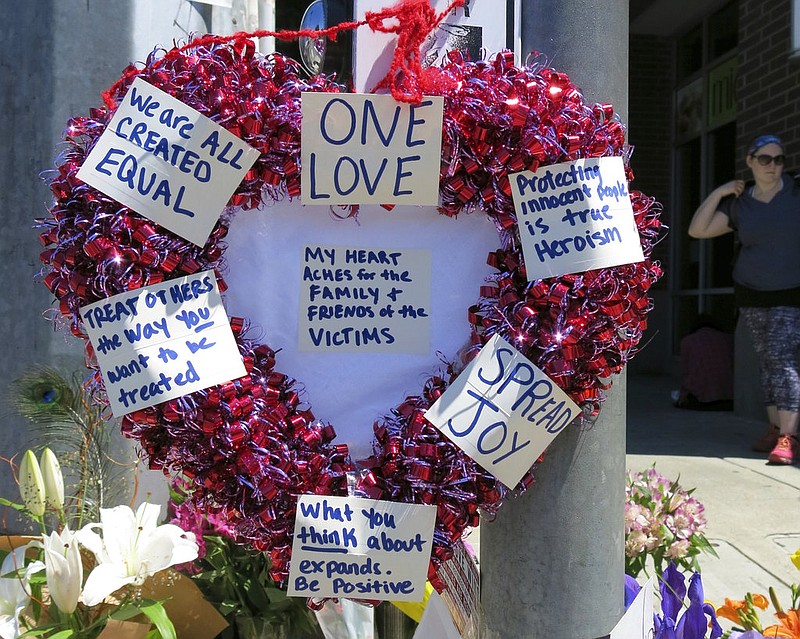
649	122
768	83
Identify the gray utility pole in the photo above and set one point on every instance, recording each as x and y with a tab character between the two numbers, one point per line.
552	562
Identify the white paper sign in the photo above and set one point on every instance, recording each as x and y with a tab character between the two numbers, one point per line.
502	411
574	217
360	149
365	300
436	622
167	162
360	548
637	622
160	342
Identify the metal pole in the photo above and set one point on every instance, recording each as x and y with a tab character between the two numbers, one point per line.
552	562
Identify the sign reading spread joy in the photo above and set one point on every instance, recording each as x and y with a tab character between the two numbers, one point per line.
360	548
360	149
365	300
160	342
574	217
502	411
167	162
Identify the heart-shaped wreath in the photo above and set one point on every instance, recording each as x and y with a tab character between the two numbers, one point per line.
249	447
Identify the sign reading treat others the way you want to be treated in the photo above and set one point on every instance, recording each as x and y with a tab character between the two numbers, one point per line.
360	548
370	149
502	411
160	342
574	217
168	162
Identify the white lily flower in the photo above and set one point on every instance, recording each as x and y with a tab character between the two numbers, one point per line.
64	569
132	548
53	480
31	484
14	591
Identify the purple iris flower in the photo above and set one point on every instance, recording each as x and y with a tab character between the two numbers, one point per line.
692	624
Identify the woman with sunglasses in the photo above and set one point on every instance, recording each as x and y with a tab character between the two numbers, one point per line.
766	274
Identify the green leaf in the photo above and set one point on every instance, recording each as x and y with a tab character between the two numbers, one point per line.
155	612
11	504
63	634
128	611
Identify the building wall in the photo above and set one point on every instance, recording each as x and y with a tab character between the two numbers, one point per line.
768	83
650	133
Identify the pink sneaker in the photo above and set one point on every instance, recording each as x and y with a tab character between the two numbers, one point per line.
785	451
768	439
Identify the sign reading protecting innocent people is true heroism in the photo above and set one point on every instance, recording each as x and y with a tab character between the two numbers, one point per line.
167	162
360	548
160	342
365	300
361	149
502	411
574	217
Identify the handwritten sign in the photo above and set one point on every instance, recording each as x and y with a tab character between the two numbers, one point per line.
365	300
574	217
502	411
167	162
360	548
359	149
157	343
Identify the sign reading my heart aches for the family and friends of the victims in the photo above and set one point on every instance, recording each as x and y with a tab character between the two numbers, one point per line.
362	149
574	217
168	162
502	411
365	300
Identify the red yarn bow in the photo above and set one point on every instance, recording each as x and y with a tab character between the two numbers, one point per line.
415	20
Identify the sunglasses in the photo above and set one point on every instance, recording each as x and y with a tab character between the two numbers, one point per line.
766	160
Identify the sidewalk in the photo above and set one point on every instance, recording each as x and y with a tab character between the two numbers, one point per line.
753	509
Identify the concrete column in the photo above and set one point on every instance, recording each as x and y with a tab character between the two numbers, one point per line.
552	562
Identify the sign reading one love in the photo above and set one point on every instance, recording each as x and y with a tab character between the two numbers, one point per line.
574	217
362	149
161	342
168	162
502	411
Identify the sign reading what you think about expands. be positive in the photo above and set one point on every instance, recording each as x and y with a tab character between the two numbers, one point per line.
502	411
360	548
574	217
167	162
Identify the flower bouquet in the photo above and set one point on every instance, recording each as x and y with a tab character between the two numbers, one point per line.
743	613
662	521
78	583
235	579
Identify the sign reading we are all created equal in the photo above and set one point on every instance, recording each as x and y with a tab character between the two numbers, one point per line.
161	342
362	149
502	411
360	548
168	162
574	217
